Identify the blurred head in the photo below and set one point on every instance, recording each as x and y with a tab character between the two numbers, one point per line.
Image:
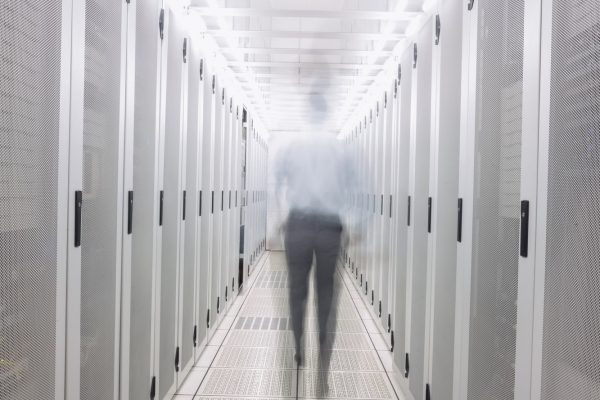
318	108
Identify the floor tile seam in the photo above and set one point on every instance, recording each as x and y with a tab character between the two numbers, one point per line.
341	272
265	257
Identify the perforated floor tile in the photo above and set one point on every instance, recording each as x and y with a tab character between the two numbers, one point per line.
345	385
253	383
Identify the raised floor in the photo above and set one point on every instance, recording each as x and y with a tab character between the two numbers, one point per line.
251	355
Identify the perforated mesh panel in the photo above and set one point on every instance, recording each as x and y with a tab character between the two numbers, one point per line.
29	123
100	202
496	200
172	208
420	206
571	358
145	210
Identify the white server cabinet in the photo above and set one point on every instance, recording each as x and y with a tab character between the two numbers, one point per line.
190	334
490	181
107	194
207	195
558	323
234	228
419	208
140	295
42	67
217	301
383	305
226	200
378	161
401	153
443	189
173	210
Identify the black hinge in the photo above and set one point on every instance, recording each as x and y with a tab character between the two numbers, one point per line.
366	287
429	206
177	359
236	199
200	203
232	285
223	96
470	5
395	88
389	323
202	69
381	205
230	199
372	297
218	304
460	219
153	388
406	366
226	294
195	336
415	55
78	206
399	73
377	109
185	44
184	200
385	101
161	24
160	207
212	202
392	341
361	280
438	29
208	318
524	228
408	213
390	206
230	105
379	308
214	84
427	392
222	199
371	116
129	212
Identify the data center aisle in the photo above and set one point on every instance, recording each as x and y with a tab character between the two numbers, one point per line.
252	354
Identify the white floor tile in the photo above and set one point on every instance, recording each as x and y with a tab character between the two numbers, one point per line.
192	382
207	356
378	341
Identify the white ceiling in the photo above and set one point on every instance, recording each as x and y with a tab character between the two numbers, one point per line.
291	49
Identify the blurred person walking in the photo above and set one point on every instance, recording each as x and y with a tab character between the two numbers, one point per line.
314	174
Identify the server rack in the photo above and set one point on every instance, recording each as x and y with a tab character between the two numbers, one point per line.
37	198
490	186
190	334
399	314
557	323
139	357
173	215
419	193
107	194
443	189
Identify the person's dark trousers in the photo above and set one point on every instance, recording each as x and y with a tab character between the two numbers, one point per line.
307	234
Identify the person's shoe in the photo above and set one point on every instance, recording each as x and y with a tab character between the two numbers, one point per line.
298	358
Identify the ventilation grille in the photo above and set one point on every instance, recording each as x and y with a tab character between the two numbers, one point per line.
29	128
571	357
100	196
496	214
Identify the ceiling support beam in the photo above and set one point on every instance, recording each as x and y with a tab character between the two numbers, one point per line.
326	14
363	36
307	65
300	51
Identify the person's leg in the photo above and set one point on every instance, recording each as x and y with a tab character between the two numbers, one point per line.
327	247
299	255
